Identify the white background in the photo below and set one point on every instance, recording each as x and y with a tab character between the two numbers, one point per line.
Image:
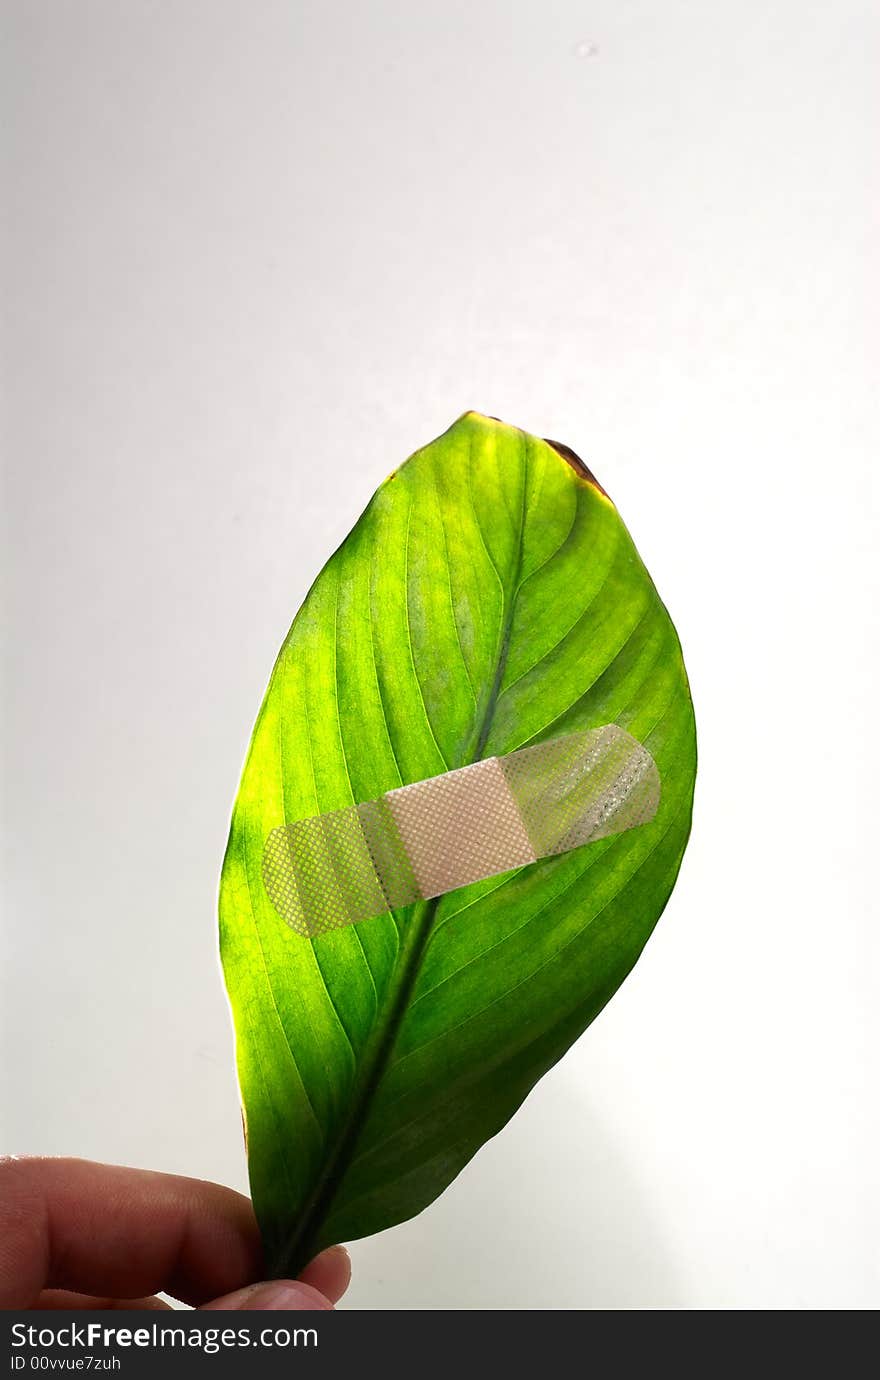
256	255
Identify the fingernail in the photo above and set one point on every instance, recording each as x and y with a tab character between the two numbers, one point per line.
284	1295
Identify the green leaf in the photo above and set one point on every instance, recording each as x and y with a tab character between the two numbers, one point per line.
489	597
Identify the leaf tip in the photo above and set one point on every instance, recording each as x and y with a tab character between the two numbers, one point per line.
573	460
482	418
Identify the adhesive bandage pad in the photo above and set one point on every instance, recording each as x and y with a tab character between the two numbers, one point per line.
436	835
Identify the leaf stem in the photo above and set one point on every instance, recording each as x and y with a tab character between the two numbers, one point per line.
302	1244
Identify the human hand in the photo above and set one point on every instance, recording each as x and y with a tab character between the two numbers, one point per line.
79	1235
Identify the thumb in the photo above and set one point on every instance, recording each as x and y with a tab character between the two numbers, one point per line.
275	1295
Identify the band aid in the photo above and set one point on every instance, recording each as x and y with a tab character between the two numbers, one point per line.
434	836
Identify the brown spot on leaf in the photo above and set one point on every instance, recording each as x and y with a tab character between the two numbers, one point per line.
576	463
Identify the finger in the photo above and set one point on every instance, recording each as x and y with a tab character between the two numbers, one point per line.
329	1273
322	1283
276	1295
120	1233
63	1298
